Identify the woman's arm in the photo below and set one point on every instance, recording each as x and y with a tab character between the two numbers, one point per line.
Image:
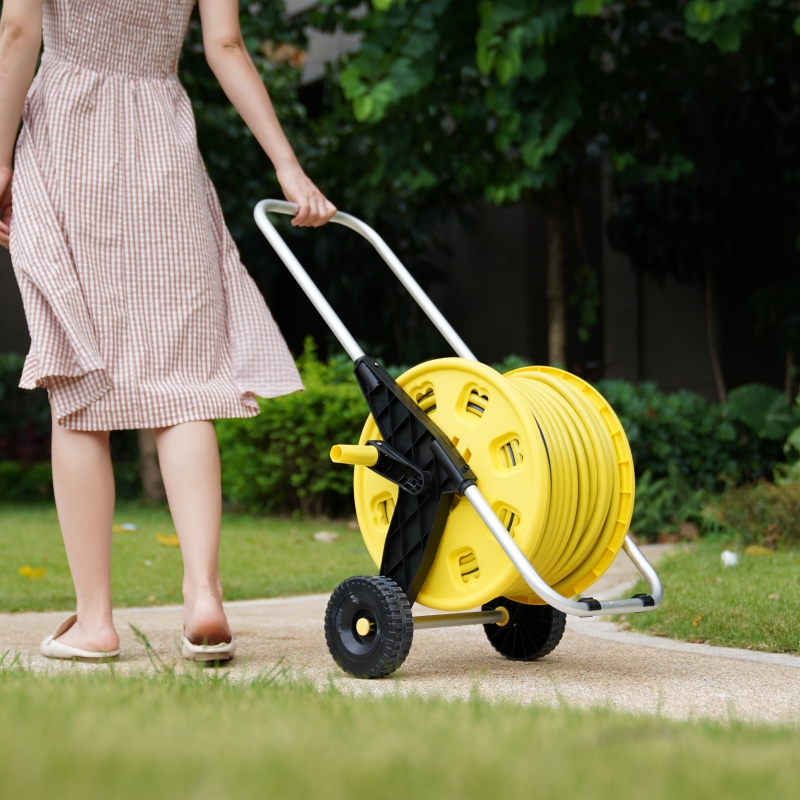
20	40
230	62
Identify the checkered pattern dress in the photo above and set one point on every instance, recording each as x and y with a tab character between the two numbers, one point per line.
140	312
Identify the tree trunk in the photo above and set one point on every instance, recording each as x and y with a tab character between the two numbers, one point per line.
711	333
149	471
556	299
788	378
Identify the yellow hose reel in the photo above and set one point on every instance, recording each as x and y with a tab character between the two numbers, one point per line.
552	460
512	493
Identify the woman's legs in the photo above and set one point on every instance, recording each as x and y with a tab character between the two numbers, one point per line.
189	458
83	482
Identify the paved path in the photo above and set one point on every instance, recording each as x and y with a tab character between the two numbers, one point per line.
595	665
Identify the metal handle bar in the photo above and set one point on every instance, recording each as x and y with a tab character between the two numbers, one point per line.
322	305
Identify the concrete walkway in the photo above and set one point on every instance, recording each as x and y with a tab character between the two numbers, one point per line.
595	664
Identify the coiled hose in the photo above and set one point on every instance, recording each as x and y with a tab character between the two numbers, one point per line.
585	497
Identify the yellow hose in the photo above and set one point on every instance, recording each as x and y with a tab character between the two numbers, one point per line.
576	535
551	458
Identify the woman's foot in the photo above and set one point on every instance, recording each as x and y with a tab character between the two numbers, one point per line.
98	636
204	621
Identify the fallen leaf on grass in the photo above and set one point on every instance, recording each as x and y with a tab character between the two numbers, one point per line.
758	550
696	622
126	527
325	536
31	572
698	640
774	596
168	540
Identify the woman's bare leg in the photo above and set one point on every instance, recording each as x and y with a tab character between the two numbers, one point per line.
83	482
189	458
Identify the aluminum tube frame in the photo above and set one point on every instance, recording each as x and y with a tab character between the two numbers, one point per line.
456	620
322	305
546	592
301	276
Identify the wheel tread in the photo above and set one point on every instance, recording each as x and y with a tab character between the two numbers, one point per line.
397	627
536	633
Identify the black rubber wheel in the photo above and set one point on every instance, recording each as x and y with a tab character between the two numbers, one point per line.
530	633
368	626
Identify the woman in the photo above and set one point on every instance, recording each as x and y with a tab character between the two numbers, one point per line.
140	312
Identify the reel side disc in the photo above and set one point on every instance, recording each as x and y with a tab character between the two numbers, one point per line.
487	421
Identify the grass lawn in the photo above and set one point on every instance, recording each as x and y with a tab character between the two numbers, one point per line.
259	557
78	736
754	605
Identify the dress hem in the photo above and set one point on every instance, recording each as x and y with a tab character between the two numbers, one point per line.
230	411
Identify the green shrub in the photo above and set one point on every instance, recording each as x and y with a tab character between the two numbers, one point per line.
25	427
763	513
279	460
710	446
24	416
662	504
22	482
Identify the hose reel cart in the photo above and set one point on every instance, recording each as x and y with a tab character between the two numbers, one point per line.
512	493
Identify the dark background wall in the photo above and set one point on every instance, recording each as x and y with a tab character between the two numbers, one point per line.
13	329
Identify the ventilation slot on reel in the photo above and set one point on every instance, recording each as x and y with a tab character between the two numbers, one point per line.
476	403
509	518
510	455
385	509
426	399
468	566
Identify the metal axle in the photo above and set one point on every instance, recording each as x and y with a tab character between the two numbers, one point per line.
499	616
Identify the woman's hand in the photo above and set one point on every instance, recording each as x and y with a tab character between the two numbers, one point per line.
6	173
315	209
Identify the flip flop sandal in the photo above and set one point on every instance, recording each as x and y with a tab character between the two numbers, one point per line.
208	652
52	648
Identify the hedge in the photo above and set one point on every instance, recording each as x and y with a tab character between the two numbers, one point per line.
710	445
279	462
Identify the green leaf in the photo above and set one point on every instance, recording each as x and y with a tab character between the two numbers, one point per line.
728	37
588	8
702	12
796	25
504	67
534	68
485	59
383	5
363	107
763	409
793	440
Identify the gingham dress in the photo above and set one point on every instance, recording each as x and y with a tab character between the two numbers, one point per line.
140	313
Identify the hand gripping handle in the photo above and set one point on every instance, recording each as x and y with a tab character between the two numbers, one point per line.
322	305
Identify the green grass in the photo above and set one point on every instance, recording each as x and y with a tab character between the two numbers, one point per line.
259	557
729	606
78	736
